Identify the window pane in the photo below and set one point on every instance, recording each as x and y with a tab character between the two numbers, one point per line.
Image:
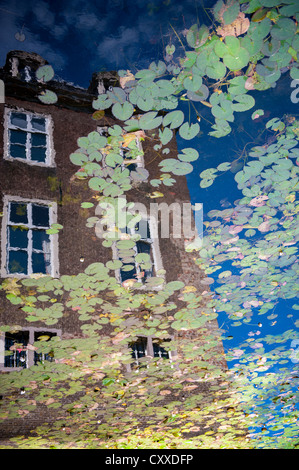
131	166
38	140
38	154
38	124
19	120
43	336
40	215
17	151
17	262
159	351
40	357
18	237
17	137
41	263
125	275
139	348
14	343
25	73
18	213
143	247
142	229
41	241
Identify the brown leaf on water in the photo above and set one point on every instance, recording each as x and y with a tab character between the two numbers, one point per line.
236	28
127	78
250	82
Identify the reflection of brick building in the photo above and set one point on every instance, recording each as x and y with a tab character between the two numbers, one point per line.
37	190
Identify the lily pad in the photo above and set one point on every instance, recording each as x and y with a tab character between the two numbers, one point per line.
173	119
48	97
45	73
189	132
123	111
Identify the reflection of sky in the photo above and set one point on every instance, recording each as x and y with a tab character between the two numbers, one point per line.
79	37
276	103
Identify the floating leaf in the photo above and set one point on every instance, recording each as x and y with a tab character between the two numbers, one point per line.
97	115
102	102
145	75
45	73
197	36
155	183
250	233
117	95
237	85
145	104
188	155
205	183
258	113
208	173
244	102
225	274
166	135
115	264
189	132
284	28
122	111
142	258
259	15
113	159
48	97
78	158
97	184
200	95
193	83
215	69
173	119
225	166
150	120
230	12
141	174
174	285
158	67
95	268
170	50
234	56
86	205
294	73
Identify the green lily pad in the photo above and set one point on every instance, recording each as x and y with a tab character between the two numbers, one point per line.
123	111
159	68
102	102
188	155
173	119
115	264
193	83
45	73
244	102
166	135
189	132
150	121
48	97
284	28
78	158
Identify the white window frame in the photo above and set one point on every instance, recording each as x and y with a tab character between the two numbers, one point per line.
156	253
54	271
50	153
149	353
139	161
29	351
